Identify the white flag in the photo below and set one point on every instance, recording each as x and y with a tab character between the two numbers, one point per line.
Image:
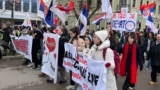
106	8
27	21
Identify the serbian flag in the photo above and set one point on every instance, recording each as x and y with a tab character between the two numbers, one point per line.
43	9
62	15
98	18
147	10
69	7
83	19
107	8
49	17
150	24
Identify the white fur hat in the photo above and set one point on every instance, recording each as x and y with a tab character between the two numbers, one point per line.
103	34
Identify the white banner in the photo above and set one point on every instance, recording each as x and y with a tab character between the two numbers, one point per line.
23	45
124	22
50	55
90	74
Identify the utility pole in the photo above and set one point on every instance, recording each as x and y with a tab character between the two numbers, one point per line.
12	3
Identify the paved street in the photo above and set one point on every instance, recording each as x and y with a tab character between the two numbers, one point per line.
14	76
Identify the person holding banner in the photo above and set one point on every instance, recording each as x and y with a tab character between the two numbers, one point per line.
132	56
74	32
86	51
101	42
62	40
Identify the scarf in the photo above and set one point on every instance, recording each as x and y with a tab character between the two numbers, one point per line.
133	62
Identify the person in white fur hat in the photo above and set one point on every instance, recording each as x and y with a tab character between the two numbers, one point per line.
101	42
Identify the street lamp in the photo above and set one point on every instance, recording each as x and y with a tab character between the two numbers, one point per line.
12	3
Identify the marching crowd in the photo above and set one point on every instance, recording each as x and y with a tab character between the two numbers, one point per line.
130	46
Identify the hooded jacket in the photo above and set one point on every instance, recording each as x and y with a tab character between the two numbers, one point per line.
97	54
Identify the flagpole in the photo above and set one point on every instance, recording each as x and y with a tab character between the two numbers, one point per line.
78	21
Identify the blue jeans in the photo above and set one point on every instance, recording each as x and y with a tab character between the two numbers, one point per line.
148	64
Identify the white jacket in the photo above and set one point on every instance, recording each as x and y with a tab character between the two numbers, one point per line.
97	54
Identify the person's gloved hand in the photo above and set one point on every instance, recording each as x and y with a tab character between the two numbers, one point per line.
107	65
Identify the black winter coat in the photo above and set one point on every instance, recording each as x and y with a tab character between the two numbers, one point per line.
155	54
144	49
63	39
7	32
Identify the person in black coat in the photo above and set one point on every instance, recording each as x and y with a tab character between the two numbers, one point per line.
37	36
155	60
64	37
6	37
147	46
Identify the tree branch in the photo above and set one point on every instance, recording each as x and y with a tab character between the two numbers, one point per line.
98	7
89	3
76	14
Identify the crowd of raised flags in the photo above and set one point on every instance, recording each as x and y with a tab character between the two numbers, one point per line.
48	13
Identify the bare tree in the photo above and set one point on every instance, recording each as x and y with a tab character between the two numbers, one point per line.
89	8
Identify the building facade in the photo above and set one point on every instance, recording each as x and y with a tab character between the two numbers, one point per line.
133	6
20	9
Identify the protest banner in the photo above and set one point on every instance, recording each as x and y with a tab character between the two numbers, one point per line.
23	45
90	74
50	55
124	22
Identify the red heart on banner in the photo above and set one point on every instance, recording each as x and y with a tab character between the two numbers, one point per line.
51	44
55	56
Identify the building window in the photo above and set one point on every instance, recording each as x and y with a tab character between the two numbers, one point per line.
25	5
34	6
141	2
134	3
123	2
18	6
1	4
8	5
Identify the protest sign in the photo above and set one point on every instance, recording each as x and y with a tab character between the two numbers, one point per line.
23	45
124	22
50	55
90	74
124	10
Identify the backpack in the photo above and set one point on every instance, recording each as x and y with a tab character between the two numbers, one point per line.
116	60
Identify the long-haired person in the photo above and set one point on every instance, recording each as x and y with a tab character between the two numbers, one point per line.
129	64
100	43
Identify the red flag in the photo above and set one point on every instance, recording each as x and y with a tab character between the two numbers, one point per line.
69	7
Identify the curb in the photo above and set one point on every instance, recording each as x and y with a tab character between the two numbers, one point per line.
12	57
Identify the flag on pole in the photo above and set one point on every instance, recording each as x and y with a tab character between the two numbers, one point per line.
43	9
83	19
98	18
27	21
106	8
49	17
147	10
62	15
69	7
150	24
